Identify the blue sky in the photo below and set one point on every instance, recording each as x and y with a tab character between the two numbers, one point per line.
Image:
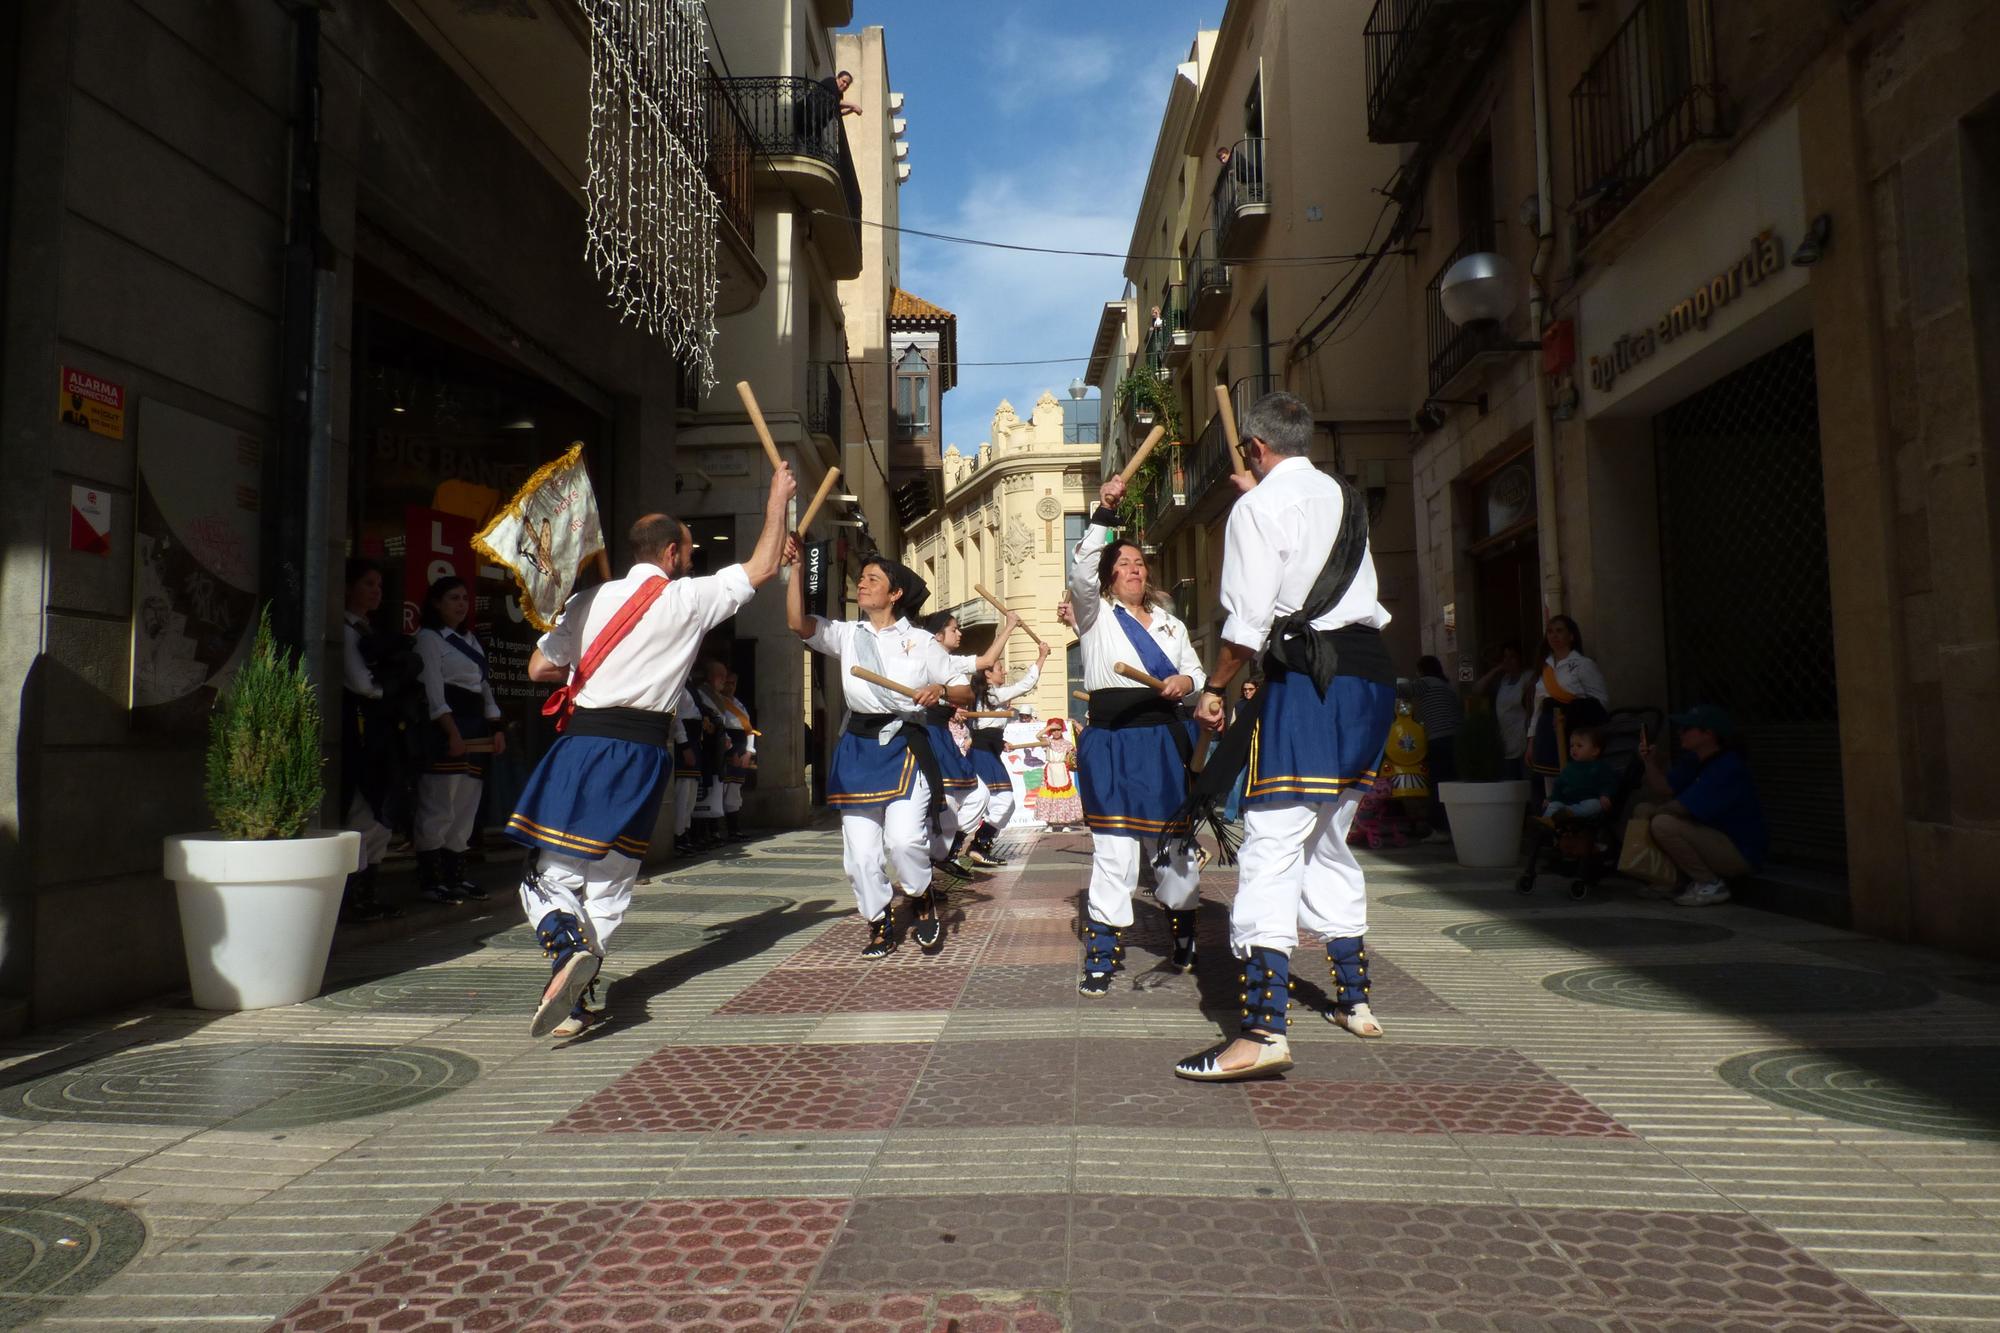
1031	121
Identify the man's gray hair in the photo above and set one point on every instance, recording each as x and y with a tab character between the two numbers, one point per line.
1283	422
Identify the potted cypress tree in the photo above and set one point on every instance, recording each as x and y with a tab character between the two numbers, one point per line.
1485	807
258	897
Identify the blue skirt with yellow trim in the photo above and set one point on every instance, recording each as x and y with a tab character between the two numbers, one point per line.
1132	780
990	768
953	763
868	775
1316	748
591	795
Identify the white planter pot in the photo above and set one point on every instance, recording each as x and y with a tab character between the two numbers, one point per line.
1485	820
257	918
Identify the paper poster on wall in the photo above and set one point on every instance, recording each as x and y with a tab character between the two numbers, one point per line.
92	402
89	520
194	549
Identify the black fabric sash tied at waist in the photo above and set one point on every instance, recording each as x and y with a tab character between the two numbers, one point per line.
643	725
868	726
1122	709
993	740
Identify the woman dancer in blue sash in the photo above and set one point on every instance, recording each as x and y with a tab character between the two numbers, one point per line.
1132	762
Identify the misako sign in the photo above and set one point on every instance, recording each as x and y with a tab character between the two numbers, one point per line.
1764	259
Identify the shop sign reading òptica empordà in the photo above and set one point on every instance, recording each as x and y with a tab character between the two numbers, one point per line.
1710	287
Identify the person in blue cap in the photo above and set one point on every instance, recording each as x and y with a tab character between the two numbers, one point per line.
1711	824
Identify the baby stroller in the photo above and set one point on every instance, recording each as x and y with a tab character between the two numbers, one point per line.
1589	845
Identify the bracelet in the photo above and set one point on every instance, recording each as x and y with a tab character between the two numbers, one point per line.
1215	690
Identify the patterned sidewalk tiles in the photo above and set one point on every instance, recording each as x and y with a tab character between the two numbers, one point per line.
1605	1116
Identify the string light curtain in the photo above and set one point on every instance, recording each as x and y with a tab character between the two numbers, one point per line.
652	210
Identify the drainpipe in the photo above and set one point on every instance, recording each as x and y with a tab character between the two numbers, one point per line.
1547	537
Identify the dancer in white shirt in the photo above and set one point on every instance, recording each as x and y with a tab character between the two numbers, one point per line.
991	807
458	692
885	780
621	651
1132	762
1299	586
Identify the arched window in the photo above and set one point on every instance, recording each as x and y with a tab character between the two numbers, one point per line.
913	390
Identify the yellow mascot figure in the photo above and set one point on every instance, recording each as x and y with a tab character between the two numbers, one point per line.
1408	780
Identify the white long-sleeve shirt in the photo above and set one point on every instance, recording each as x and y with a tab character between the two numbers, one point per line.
1278	540
445	665
905	654
1577	674
650	668
1003	695
1105	644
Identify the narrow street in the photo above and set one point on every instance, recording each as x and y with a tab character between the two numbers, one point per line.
1596	1115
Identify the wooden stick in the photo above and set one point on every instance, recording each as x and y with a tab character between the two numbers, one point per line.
1153	437
991	712
1226	408
819	498
1001	607
749	398
1131	672
863	673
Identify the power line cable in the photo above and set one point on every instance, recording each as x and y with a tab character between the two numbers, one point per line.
1278	261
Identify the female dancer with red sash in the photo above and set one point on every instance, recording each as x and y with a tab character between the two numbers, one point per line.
1132	762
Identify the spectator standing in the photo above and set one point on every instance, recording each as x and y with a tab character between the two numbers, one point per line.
1512	687
1232	810
1712	824
1440	711
1570	684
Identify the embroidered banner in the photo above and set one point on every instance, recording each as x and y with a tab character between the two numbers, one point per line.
544	536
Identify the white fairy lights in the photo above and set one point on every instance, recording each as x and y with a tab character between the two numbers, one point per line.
652	209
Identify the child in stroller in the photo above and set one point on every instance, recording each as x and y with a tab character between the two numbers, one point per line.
1581	817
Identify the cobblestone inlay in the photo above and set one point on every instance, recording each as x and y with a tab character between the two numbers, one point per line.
1944	1092
53	1249
280	1085
695	1089
1585	932
1741	988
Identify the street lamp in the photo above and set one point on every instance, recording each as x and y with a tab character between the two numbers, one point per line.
1480	289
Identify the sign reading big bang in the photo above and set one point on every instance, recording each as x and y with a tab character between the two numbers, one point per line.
545	534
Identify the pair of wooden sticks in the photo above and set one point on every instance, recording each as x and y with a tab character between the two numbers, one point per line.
826	483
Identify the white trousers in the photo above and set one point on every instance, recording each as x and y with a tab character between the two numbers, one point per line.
999	805
374	833
687	794
732	797
1297	869
596	893
1114	873
711	801
447	803
896	830
961	814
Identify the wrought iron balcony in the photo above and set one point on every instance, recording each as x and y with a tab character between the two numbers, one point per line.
1421	56
1454	347
1650	94
1243	394
1242	202
796	123
1208	285
731	158
824	405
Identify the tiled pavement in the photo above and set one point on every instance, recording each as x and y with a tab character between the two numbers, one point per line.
1587	1116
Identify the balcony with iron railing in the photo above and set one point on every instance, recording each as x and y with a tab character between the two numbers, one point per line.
1652	93
1453	348
1421	56
795	123
825	407
731	158
1241	206
1207	285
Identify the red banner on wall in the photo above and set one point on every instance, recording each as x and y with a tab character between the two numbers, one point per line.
437	545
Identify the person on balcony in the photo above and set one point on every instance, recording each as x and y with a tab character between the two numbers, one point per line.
1299	586
1133	761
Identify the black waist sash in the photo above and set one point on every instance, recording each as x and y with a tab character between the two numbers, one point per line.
870	725
1351	650
1122	709
643	725
993	740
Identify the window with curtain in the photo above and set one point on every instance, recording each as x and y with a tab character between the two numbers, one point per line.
913	389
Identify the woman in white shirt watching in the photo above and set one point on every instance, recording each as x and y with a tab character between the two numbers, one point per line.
458	692
1571	684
